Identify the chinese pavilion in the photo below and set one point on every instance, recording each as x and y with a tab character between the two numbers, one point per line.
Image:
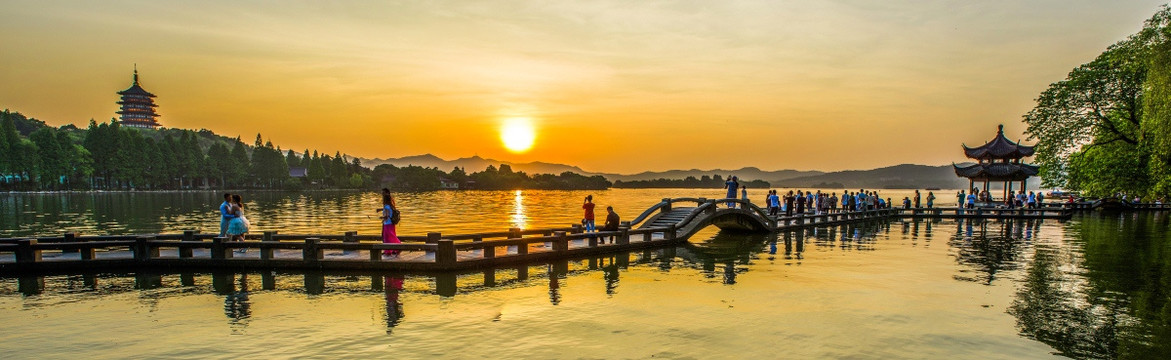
999	160
138	106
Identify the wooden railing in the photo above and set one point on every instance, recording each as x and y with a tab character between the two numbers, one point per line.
439	251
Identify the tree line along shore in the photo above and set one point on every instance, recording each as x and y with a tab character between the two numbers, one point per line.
109	157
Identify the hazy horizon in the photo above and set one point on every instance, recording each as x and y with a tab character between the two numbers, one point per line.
610	87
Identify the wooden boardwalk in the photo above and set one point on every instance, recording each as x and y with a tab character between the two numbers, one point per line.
666	223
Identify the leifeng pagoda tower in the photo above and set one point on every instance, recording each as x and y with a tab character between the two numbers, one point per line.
999	160
138	106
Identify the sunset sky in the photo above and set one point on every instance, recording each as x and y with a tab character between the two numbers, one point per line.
611	86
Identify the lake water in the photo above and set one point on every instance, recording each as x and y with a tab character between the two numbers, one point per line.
1096	286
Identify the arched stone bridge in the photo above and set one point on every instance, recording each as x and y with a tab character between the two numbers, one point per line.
689	215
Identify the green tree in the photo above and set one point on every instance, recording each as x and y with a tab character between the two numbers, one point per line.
1102	105
1157	117
50	157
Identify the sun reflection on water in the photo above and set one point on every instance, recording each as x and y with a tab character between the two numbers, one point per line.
519	218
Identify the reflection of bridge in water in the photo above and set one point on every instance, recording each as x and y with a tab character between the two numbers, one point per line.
666	223
981	246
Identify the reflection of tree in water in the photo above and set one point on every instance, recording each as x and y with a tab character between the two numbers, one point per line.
1105	292
1048	311
984	249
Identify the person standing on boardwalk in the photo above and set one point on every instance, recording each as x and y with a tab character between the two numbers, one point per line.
731	186
774	203
800	203
744	196
1032	200
239	224
390	217
960	197
972	200
930	199
789	204
916	198
588	219
226	215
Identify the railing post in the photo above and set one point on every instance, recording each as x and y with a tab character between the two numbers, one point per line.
311	253
445	252
575	229
350	237
218	250
521	249
87	253
670	234
144	250
561	243
667	206
69	237
25	252
268	235
186	252
623	236
489	252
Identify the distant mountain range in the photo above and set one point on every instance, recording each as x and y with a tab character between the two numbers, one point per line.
898	176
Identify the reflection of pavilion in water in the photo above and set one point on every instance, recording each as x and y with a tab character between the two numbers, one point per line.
985	248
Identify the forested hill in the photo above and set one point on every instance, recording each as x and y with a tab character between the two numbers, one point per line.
35	156
906	176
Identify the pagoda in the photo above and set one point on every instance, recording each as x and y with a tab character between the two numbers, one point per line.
138	106
998	161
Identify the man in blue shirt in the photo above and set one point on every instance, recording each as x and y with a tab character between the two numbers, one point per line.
226	214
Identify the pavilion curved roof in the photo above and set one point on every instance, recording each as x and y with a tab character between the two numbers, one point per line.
997	171
999	148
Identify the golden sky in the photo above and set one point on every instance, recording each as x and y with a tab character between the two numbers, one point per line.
611	86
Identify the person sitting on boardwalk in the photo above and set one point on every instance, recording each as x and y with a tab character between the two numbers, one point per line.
612	222
930	199
226	215
239	225
390	217
588	218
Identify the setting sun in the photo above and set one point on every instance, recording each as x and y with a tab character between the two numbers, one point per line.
517	134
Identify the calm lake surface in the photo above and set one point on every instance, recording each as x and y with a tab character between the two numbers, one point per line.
1097	286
